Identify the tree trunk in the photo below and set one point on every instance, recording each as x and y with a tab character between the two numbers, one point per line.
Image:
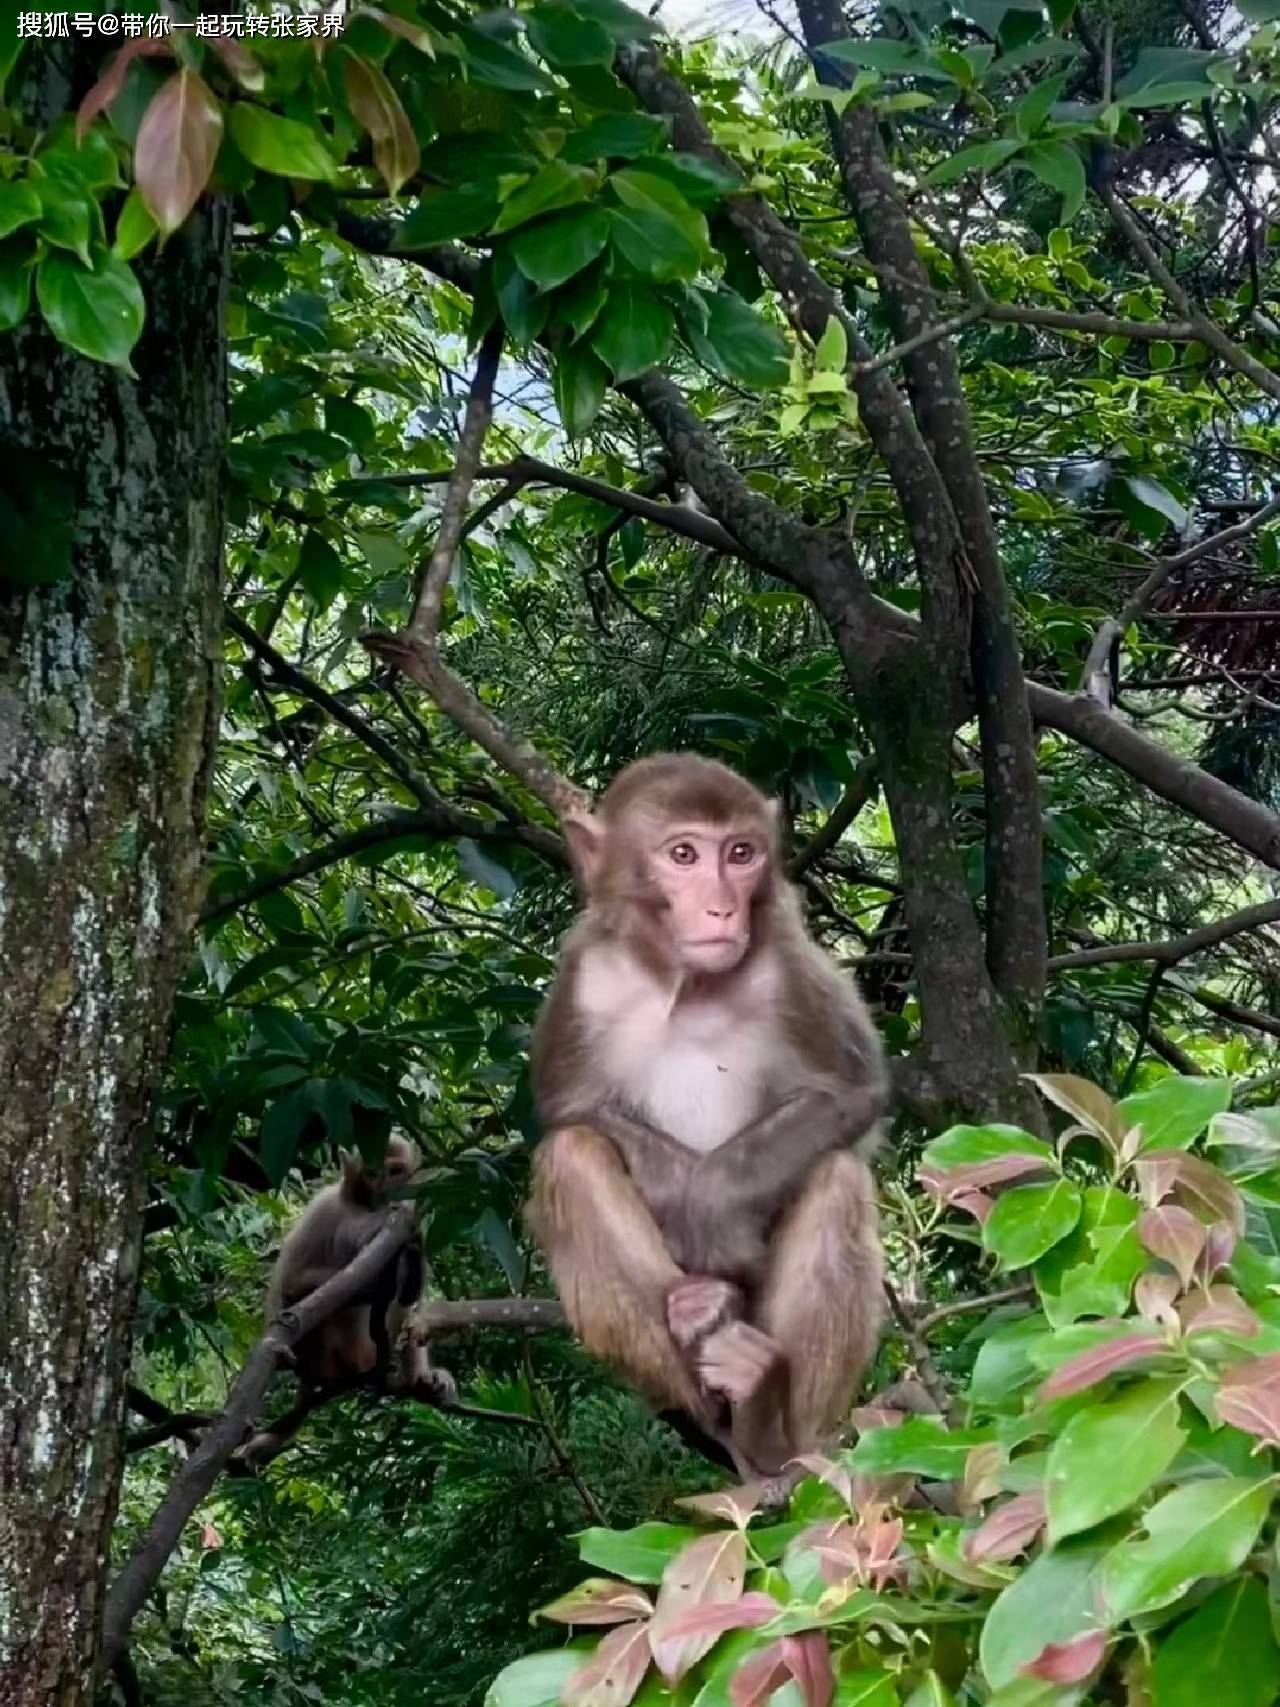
108	716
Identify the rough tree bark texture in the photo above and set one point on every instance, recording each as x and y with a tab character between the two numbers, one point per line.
108	714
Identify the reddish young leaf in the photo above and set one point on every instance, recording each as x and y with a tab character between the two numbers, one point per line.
1009	1530
1249	1397
1084	1102
746	1613
758	1677
1069	1662
975	1203
1218	1251
239	62
973	1176
709	1571
110	84
1157	1174
883	1540
1222	1311
731	1505
808	1659
1154	1295
598	1600
377	106
981	1481
1175	1236
836	1476
1087	1368
176	147
613	1673
1208	1193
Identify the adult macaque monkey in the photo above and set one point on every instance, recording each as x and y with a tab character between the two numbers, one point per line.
705	1076
357	1343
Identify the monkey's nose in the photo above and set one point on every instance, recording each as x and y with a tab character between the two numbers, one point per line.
721	912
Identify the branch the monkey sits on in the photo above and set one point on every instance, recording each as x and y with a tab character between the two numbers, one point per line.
710	1085
364	1342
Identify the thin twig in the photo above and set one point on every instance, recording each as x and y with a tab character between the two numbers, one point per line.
927	1370
558	1450
963	1306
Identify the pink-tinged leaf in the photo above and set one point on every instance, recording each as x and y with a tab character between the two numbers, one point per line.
1175	1236
1009	1530
1084	1102
974	1176
808	1659
836	1476
709	1571
758	1677
176	147
746	1613
239	62
599	1600
1087	1368
1248	1397
109	86
1219	1248
883	1542
1157	1174
1221	1311
981	1475
1069	1662
613	1673
1154	1295
975	1203
730	1505
1208	1193
377	106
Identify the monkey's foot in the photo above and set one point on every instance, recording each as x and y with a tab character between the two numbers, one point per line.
697	1306
737	1361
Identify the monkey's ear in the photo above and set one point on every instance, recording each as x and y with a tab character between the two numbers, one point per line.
585	836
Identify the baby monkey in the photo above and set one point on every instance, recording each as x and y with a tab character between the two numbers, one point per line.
710	1084
365	1341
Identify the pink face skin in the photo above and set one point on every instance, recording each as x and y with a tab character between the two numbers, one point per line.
708	876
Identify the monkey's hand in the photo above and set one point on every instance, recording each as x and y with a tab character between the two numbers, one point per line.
698	1305
737	1362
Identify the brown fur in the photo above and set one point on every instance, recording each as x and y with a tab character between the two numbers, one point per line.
757	1185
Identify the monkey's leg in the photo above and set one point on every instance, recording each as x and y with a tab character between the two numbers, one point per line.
610	1264
822	1302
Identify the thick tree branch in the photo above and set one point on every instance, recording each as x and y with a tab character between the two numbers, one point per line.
1174	949
1237	1013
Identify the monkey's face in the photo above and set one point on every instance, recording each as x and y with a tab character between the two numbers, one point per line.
707	877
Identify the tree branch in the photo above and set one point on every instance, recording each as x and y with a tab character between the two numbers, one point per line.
1237	1012
861	789
1178	948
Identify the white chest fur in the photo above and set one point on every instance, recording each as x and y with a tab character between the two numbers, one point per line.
697	1069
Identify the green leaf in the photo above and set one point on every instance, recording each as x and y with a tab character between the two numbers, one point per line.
832	353
634	332
96	310
1224	1654
700	182
1005	1363
1054	1600
281	1130
1176	1110
555	186
863	1688
66	217
881	54
578	305
276	144
523	310
134	228
442	215
978	156
580	382
614	136
559	249
16	270
19	205
502	67
1151	496
737	341
1092	1273
655	229
1029	1220
1058	165
921	1445
561	37
1110	1453
38	505
963	1146
1204	1530
1033	109
641	1554
536	1680
319	570
1167	76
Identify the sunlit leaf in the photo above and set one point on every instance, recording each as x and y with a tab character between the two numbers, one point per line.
377	106
1110	1453
177	145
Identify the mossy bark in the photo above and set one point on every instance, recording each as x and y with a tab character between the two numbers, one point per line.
108	716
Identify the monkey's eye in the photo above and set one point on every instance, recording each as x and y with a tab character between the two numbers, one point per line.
684	853
741	853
